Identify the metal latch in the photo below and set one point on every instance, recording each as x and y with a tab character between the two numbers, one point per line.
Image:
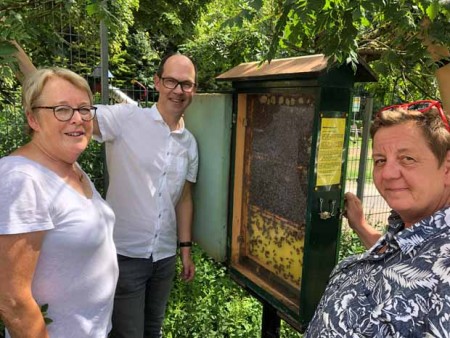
324	214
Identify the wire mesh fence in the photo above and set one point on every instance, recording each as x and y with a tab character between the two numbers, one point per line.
375	208
12	122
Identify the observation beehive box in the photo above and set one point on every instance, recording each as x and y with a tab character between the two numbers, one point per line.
290	144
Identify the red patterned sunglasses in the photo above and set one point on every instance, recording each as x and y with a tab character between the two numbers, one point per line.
422	106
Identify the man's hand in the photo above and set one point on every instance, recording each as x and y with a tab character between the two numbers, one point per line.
188	270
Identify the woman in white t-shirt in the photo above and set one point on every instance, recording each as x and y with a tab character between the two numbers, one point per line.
56	243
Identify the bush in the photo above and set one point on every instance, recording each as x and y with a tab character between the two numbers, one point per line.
211	306
214	306
350	243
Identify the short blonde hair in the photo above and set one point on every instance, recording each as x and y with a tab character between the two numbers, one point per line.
35	83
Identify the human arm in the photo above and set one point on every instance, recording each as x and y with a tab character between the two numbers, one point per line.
19	311
438	52
442	74
357	222
96	131
26	67
184	211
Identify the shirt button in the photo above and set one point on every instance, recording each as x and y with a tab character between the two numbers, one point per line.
164	173
159	216
156	236
159	194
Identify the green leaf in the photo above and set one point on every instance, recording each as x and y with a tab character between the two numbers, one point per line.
365	22
6	48
433	10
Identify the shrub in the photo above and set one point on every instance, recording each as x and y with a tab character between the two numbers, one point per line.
213	306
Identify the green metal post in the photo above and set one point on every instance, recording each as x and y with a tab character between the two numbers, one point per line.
270	322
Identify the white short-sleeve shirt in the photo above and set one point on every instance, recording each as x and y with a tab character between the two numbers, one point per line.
77	270
148	166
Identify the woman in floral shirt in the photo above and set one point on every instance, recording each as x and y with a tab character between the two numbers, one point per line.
401	286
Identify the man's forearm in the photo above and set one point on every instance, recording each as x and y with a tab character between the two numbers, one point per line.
439	52
26	67
184	212
443	80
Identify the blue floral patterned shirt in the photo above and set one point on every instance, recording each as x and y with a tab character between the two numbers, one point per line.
398	288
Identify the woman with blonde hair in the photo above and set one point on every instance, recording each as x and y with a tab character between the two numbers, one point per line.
56	244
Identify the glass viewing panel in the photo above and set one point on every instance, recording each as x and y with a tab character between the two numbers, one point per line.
277	155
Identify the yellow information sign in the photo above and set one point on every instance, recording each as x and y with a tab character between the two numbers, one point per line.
329	158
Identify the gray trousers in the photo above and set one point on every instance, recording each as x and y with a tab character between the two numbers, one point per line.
141	297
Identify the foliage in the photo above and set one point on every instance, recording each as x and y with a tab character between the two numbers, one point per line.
159	27
168	23
343	28
222	34
63	33
230	32
385	33
213	306
12	122
350	244
92	161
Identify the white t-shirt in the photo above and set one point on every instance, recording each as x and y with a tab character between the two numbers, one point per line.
77	271
148	166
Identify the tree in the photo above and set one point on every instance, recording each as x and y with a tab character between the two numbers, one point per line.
54	31
373	28
228	33
222	34
169	23
386	33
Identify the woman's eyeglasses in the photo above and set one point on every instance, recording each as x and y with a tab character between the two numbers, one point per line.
65	113
423	106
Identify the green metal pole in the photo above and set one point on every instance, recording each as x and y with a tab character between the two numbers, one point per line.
104	57
364	148
270	322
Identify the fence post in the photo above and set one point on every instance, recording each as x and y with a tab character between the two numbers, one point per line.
104	62
104	59
367	117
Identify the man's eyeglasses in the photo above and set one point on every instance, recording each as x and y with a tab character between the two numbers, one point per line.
65	113
171	83
422	106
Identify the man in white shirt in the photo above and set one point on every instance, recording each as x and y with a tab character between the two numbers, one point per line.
152	163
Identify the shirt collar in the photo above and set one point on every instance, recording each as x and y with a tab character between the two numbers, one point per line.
409	238
156	115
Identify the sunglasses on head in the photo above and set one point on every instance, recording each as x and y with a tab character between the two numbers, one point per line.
423	106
